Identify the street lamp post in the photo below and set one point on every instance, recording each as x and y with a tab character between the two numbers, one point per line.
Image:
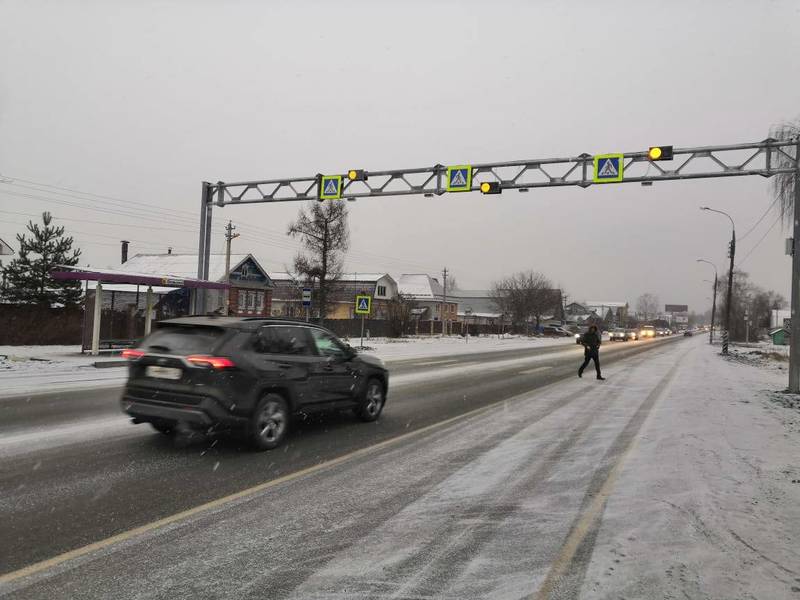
727	332
714	302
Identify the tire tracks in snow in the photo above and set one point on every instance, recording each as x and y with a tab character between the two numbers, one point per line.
566	575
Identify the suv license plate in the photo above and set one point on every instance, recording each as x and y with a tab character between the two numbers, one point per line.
163	372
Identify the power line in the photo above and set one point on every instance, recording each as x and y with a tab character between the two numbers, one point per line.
273	238
761	218
758	243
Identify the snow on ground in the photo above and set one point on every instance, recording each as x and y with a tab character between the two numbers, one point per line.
708	505
422	347
29	369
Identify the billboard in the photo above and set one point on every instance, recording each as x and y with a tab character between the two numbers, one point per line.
673	308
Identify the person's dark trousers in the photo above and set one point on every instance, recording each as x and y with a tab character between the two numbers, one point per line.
591	354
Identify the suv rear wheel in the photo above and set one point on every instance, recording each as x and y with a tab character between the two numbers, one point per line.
269	423
165	427
371	405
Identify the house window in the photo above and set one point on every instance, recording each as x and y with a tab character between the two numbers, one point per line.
381	290
242	301
251	301
259	302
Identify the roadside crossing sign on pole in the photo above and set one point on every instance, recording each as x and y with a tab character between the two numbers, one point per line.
306	296
363	304
459	178
330	187
608	168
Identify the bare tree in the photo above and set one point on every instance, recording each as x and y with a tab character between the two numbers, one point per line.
399	313
452	284
783	183
524	296
325	236
647	306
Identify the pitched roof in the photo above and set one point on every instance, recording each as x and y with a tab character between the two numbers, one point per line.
5	248
596	304
360	277
183	265
420	286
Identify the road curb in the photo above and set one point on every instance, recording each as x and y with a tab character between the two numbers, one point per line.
105	364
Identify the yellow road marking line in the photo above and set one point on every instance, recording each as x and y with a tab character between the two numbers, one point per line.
595	509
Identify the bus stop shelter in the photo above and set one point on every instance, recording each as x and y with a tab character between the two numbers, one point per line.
120	277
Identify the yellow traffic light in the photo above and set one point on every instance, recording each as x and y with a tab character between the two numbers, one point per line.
491	187
356	175
660	153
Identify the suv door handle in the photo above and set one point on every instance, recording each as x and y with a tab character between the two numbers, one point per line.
284	366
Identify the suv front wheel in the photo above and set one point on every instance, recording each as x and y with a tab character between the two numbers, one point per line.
269	423
371	405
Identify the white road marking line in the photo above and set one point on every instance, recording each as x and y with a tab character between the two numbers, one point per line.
536	370
436	362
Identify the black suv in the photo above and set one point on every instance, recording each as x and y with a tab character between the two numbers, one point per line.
248	374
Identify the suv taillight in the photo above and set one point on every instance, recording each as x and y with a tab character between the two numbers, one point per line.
215	362
132	354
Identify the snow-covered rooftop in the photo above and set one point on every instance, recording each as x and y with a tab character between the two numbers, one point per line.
595	304
419	285
181	265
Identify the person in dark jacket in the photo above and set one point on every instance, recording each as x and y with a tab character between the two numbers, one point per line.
591	344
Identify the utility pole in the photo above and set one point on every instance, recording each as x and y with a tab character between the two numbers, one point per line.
713	311
794	337
229	237
726	335
714	301
444	304
727	332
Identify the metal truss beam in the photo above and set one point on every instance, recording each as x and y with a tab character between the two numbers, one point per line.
757	158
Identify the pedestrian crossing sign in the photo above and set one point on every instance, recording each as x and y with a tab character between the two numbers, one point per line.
363	305
459	178
608	168
330	187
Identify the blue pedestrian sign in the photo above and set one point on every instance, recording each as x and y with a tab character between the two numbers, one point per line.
363	304
608	168
459	178
330	187
306	296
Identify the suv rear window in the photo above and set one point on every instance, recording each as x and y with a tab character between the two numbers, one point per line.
183	340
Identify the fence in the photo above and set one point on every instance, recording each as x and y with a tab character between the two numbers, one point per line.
30	325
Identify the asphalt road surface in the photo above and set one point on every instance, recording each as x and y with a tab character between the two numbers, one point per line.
94	507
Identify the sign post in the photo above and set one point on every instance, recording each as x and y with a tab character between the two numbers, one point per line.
307	300
363	307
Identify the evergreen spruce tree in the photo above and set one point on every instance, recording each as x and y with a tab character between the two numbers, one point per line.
28	279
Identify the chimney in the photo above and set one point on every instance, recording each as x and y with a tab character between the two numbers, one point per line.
124	257
169	250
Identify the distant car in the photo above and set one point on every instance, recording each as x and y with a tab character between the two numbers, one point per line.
617	335
555	331
647	332
249	375
688	333
632	334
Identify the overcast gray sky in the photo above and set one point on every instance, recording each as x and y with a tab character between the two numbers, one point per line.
141	101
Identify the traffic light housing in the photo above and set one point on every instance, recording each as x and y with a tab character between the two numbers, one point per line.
660	153
357	175
491	187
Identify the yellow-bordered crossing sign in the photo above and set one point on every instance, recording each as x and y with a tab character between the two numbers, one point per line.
330	187
363	304
459	178
608	168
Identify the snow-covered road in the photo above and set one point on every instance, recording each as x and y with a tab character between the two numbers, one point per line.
676	478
